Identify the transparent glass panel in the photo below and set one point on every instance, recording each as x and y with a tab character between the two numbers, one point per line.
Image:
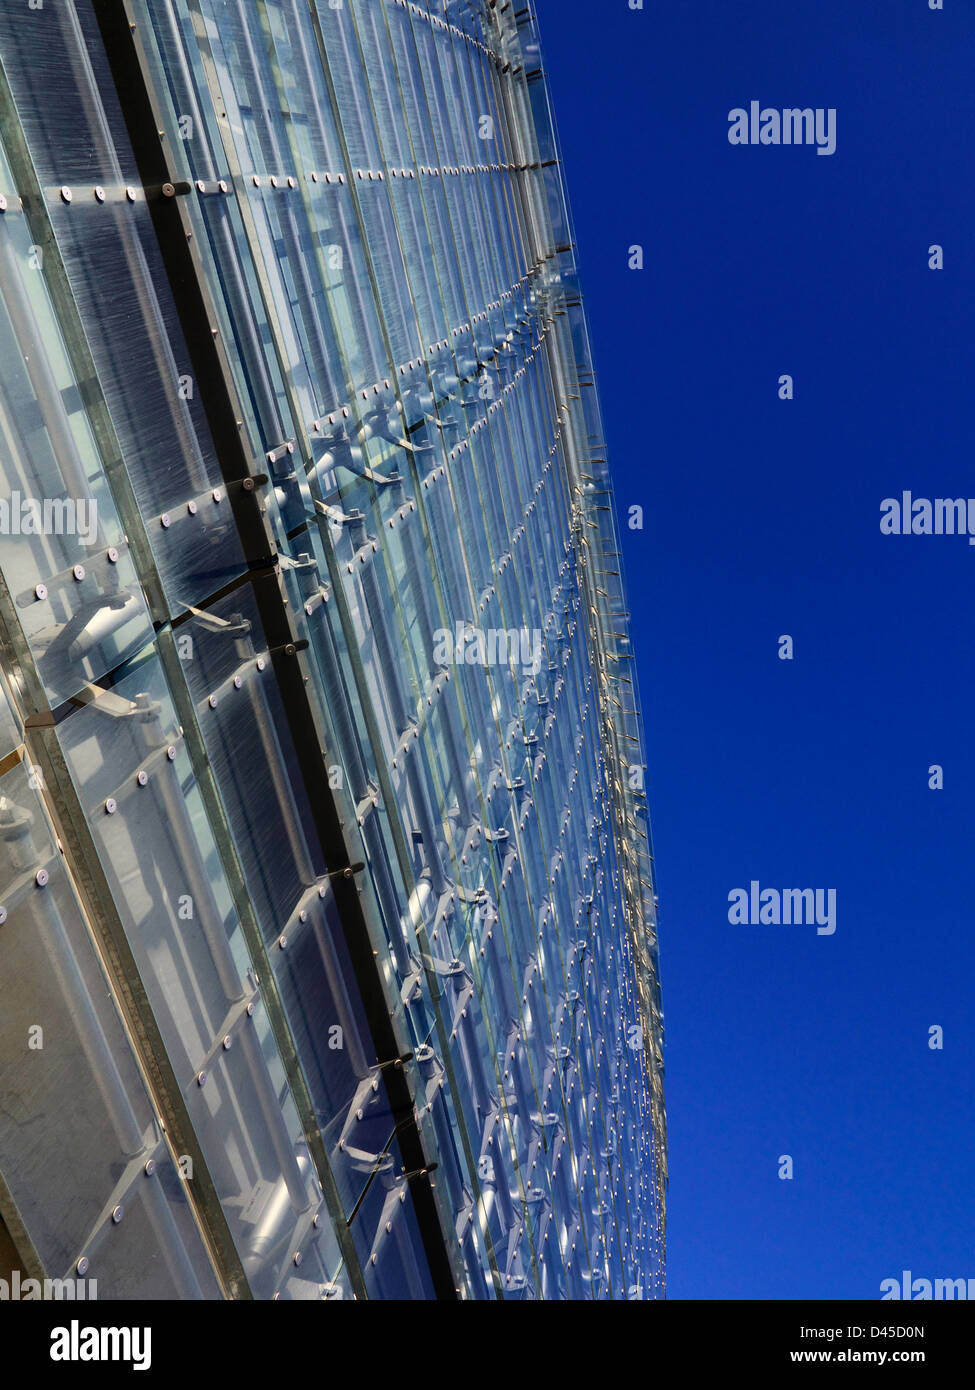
161	860
387	1238
75	1122
255	1152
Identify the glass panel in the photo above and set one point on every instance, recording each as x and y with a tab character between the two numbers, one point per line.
76	1128
387	1238
160	858
69	571
252	1142
105	235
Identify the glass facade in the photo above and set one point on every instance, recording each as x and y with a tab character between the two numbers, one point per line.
328	946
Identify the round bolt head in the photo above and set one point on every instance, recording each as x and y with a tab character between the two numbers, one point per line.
150	1167
111	806
201	1078
3	203
117	1215
261	663
171	753
142	778
250	1010
227	1043
316	1221
65	193
237	682
130	194
212	702
3	915
79	572
82	1265
217	494
191	508
283	942
165	520
168	190
297	1257
99	193
40	591
222	185
112	555
41	877
302	916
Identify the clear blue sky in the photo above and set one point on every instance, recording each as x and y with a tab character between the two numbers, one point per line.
762	518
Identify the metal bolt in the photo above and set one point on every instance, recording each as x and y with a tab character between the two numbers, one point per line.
3	915
150	1167
298	1257
223	185
40	591
191	508
237	682
283	942
65	193
171	753
212	702
41	877
168	191
112	555
142	778
82	1265
3	203
316	1221
201	1078
261	663
99	193
165	520
217	494
117	1215
130	194
228	1043
79	572
111	806
250	1010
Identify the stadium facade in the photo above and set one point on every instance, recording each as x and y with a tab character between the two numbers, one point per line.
328	947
